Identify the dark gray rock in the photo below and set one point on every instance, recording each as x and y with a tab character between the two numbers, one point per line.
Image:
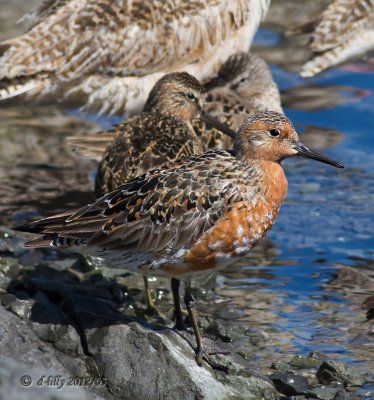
141	363
290	384
87	337
341	394
24	354
19	342
20	382
335	371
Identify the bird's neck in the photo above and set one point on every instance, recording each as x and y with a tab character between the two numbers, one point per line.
271	180
274	179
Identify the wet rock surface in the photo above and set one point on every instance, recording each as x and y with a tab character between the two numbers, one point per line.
334	371
316	377
290	384
83	327
72	322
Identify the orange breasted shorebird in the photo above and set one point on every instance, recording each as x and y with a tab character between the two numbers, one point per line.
243	86
195	215
106	55
162	133
343	31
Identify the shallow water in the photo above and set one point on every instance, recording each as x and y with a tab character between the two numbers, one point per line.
301	290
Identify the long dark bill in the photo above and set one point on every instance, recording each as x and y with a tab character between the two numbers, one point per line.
212	121
303	151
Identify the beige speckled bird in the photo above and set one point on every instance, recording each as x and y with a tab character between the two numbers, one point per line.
345	30
243	86
107	54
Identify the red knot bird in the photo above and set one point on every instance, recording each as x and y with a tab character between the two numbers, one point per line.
345	30
195	215
161	133
106	55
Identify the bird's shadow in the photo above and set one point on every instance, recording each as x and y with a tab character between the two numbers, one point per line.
83	302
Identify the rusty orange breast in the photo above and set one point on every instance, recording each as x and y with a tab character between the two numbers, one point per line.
238	230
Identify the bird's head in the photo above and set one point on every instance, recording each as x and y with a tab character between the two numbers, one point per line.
270	136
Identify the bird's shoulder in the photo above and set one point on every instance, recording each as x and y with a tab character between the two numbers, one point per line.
192	182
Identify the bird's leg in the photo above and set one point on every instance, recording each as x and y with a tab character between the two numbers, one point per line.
201	352
151	308
179	320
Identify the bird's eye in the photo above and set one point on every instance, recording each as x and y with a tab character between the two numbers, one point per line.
242	80
191	97
274	132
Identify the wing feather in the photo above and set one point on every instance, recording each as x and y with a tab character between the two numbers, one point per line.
143	143
120	37
340	21
193	195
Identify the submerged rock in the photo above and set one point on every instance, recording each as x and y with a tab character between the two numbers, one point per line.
306	362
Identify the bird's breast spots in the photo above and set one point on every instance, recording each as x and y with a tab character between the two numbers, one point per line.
233	236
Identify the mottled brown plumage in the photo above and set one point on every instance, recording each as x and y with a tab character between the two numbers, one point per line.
107	54
143	143
161	133
160	216
343	31
244	86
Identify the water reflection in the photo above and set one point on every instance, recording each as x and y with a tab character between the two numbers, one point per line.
316	97
38	173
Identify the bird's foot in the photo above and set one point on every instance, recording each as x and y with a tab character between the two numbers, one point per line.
206	355
152	311
153	314
180	326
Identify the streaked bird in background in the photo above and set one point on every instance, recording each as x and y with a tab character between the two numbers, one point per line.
243	86
106	55
344	31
